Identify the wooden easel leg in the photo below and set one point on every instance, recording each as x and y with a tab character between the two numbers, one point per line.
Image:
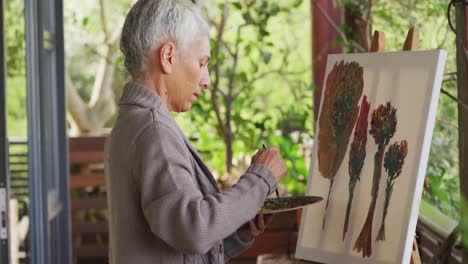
415	257
412	40
378	42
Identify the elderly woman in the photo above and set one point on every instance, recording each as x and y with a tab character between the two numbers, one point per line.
165	206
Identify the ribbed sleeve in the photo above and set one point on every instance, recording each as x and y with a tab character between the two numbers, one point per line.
265	173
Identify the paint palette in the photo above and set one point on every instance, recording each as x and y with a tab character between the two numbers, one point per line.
276	205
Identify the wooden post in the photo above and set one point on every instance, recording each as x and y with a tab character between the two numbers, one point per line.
462	86
323	36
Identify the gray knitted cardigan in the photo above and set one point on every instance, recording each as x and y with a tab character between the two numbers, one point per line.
164	204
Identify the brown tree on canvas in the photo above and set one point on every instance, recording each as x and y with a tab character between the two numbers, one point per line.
339	113
393	164
383	127
357	154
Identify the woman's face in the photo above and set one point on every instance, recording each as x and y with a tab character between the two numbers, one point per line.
190	75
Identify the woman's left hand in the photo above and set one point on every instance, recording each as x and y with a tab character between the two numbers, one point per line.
254	227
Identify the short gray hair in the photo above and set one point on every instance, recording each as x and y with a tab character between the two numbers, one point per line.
150	23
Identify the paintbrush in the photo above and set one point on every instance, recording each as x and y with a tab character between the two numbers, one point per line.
276	190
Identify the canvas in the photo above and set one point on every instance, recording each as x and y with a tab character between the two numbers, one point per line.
370	155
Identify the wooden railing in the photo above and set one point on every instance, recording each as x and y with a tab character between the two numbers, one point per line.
88	200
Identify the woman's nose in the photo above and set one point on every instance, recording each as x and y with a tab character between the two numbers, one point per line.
205	82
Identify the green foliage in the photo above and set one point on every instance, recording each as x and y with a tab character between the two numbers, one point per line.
263	86
442	187
15	38
16	106
16	68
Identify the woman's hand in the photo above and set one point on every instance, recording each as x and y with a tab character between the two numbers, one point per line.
254	227
271	158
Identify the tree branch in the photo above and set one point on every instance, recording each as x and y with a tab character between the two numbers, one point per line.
76	107
230	94
449	80
450	73
102	97
225	45
94	51
102	16
91	116
235	60
442	90
115	36
217	50
448	124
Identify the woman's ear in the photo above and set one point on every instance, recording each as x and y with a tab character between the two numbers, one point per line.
166	57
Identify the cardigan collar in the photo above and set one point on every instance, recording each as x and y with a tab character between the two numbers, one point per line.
138	94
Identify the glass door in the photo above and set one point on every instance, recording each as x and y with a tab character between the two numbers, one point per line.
47	138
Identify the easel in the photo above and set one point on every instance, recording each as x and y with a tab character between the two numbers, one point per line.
378	45
411	43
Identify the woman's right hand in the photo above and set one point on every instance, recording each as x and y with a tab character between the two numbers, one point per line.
270	157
